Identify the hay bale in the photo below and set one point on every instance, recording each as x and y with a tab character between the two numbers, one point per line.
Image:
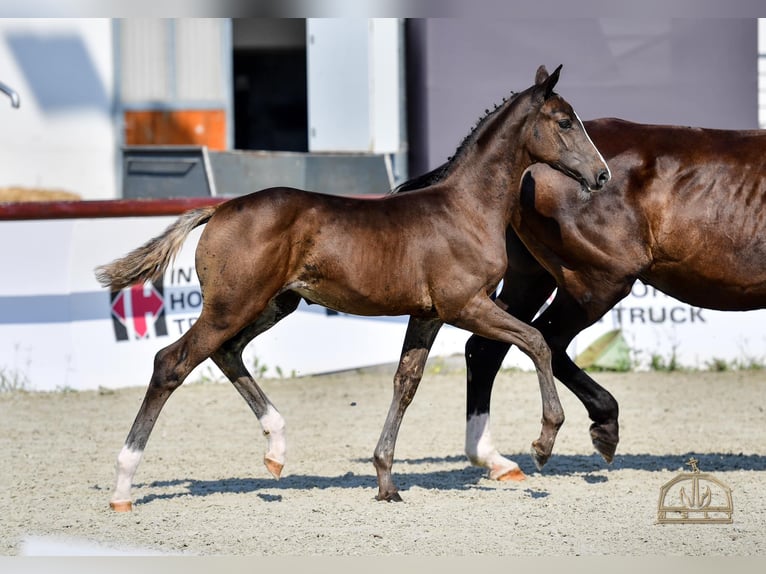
21	194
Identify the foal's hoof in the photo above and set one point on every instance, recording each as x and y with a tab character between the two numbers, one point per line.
121	505
389	497
511	474
273	466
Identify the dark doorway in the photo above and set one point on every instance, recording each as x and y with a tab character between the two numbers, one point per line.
270	88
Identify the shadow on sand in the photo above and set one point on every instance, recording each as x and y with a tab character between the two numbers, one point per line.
588	467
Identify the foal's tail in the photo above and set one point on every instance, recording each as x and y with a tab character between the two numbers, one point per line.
149	261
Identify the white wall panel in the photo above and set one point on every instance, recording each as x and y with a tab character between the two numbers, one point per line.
354	85
199	59
63	136
144	63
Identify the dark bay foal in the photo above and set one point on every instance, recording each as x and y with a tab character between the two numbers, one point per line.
436	255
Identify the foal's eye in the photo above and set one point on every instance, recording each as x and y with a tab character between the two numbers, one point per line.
565	124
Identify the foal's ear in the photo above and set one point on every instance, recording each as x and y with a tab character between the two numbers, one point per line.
546	83
541	75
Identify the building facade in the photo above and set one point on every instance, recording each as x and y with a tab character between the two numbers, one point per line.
404	92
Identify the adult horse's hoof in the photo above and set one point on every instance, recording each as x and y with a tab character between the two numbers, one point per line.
121	505
604	439
273	466
605	449
510	474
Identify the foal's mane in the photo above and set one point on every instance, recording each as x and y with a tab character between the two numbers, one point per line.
438	174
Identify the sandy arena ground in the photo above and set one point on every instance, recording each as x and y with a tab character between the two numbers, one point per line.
202	489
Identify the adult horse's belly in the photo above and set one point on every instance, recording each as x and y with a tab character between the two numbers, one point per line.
712	285
710	254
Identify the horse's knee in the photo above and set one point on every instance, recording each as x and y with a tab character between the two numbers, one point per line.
167	374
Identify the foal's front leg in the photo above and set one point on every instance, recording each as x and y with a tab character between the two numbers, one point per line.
523	293
417	344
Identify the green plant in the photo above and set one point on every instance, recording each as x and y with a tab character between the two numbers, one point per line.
620	366
436	365
660	363
259	369
281	373
750	364
13	380
718	365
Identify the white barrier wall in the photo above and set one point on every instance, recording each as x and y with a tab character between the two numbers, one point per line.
657	326
59	329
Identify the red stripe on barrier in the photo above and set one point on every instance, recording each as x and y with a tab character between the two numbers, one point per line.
26	210
103	208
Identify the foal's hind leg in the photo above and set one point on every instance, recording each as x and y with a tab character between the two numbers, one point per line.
229	359
417	344
484	318
171	366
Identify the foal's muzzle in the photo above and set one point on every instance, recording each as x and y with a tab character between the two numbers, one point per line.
602	177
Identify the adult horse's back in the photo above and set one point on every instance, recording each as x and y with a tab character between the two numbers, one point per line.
435	255
685	212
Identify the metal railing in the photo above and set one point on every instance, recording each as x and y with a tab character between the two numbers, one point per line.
11	93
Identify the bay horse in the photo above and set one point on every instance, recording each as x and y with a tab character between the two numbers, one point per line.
685	212
435	254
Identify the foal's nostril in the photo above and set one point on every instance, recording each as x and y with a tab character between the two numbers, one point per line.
603	177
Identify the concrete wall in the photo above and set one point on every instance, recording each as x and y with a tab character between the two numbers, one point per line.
655	70
63	135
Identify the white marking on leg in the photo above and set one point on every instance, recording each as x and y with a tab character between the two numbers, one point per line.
480	450
127	463
273	425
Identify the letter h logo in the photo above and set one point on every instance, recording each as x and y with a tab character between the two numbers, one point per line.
137	309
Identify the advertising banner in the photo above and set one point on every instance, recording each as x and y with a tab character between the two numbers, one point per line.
59	329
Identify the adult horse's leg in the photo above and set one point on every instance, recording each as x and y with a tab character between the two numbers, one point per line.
229	359
417	344
522	298
171	366
483	317
559	324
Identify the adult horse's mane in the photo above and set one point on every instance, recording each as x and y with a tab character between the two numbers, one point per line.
439	173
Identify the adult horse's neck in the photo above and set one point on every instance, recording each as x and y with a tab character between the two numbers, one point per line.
486	170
